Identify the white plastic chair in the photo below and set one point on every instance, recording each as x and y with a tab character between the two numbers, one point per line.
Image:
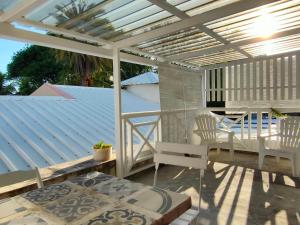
174	154
285	145
208	132
19	176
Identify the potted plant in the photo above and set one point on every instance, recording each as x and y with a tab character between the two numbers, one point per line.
102	151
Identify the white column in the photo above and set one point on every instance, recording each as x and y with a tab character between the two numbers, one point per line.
118	110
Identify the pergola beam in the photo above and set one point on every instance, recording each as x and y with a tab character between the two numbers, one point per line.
10	32
65	32
232	45
85	37
203	18
20	9
105	43
169	8
182	15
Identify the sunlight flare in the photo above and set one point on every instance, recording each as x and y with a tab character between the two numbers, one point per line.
265	26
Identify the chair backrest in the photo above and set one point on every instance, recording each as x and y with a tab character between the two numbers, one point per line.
173	154
290	132
19	176
206	127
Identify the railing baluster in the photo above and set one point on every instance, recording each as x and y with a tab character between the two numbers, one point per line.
124	152
249	124
129	144
270	122
159	129
259	124
242	126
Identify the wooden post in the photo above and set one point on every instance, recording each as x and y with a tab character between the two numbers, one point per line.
118	110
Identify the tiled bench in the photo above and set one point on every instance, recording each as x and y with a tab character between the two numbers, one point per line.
59	173
187	218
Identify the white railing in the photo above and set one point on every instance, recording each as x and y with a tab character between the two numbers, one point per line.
268	79
141	130
246	131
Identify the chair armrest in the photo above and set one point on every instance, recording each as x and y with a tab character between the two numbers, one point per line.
196	131
230	134
266	136
225	131
262	139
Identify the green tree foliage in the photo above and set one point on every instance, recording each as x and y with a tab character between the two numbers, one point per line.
129	70
5	89
33	66
36	65
92	70
80	64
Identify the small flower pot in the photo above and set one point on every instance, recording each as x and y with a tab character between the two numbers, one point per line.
103	154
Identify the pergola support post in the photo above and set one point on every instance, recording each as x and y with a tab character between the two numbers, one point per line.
118	110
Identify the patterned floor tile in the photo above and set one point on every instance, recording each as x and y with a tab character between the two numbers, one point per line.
120	216
156	199
10	207
76	206
91	179
50	193
29	219
118	188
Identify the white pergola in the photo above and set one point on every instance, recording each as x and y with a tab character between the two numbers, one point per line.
183	33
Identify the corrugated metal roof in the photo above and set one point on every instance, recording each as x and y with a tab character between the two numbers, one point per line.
145	78
44	130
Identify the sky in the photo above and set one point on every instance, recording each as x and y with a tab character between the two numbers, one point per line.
8	47
7	50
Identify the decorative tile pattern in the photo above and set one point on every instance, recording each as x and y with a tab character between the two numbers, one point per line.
91	179
76	206
30	219
120	216
118	188
156	200
10	207
93	199
50	193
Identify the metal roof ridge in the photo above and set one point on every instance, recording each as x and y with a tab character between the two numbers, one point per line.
59	91
75	86
141	79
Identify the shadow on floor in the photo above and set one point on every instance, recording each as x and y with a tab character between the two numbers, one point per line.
234	194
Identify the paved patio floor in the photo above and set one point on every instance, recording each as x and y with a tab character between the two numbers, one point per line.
236	192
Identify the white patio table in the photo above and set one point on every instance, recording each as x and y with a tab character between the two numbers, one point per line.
91	199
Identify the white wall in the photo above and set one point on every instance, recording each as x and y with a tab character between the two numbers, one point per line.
149	92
